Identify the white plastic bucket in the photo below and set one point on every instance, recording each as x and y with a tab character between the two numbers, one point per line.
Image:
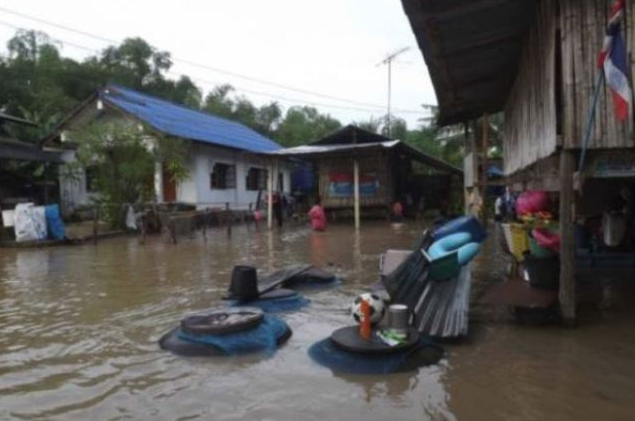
8	218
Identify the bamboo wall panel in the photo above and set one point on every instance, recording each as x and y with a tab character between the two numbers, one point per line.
530	111
583	24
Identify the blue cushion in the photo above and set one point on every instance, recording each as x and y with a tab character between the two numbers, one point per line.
466	224
467	252
448	244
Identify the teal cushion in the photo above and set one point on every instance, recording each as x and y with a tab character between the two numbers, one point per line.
448	244
467	252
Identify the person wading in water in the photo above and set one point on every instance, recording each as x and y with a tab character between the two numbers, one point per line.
317	216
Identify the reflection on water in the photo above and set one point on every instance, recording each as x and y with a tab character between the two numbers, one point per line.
79	325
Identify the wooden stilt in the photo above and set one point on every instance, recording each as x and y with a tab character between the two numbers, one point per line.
483	173
356	192
567	294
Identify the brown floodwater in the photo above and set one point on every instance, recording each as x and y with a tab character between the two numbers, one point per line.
79	329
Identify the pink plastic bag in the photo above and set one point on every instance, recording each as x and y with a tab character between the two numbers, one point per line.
532	202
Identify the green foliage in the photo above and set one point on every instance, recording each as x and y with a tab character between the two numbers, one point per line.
37	82
122	161
304	124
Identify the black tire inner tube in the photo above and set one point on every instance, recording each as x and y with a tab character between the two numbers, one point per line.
171	342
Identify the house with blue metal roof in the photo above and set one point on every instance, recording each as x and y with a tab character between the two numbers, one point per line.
228	161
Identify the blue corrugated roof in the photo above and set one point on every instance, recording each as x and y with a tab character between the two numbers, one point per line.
176	120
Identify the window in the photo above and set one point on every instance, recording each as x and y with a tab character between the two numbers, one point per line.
91	179
280	182
256	179
223	176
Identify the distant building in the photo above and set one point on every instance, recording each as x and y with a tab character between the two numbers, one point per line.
226	162
381	170
19	186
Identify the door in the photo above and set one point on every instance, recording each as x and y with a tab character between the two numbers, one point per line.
169	187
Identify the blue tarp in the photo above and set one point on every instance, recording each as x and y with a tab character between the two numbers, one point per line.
179	121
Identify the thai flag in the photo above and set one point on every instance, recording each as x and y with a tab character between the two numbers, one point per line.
613	59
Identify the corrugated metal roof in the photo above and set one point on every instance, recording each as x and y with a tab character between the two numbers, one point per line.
472	49
22	151
350	134
317	150
14	119
314	149
179	121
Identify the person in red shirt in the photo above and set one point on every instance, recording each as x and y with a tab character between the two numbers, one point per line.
397	212
317	216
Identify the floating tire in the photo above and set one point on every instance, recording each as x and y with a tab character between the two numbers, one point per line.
222	321
171	342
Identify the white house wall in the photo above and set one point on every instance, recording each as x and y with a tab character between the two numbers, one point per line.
195	189
73	192
238	198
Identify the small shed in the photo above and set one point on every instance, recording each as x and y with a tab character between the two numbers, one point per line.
358	169
17	185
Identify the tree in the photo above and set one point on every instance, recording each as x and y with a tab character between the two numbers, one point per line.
122	165
304	124
219	102
372	125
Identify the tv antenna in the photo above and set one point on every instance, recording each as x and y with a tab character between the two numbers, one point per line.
388	61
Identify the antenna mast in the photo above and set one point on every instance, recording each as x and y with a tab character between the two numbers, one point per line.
388	61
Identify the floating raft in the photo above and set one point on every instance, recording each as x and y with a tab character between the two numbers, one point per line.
225	332
275	280
346	352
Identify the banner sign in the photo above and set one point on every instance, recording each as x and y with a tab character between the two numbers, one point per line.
341	184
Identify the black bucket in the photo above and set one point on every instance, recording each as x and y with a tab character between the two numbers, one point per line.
544	272
244	284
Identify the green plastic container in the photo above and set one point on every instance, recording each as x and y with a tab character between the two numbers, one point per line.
537	250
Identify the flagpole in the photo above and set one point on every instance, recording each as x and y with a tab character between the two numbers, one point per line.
591	119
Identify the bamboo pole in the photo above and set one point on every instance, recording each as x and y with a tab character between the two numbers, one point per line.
567	295
356	191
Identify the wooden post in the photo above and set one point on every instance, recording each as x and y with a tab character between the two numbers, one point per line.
229	218
356	185
474	193
141	224
466	193
567	295
356	191
95	223
270	196
483	180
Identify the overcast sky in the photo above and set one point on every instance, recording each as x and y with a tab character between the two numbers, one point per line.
330	47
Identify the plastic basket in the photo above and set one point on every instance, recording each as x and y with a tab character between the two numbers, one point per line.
517	240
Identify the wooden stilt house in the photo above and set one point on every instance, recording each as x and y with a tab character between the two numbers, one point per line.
536	60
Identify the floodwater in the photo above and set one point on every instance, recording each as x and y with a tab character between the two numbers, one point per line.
79	329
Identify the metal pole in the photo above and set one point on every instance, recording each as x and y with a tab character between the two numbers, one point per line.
356	191
589	124
389	95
